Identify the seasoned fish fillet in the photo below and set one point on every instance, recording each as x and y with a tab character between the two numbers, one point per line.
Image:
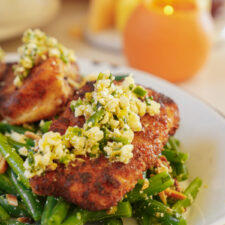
43	94
98	184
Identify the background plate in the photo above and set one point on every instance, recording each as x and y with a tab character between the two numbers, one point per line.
26	14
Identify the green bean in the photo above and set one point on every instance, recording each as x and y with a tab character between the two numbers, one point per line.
29	198
8	128
15	211
77	218
3	214
174	143
139	91
124	209
49	205
82	216
152	207
30	142
142	217
171	220
6	185
177	157
191	193
59	212
96	117
180	171
157	183
124	140
113	221
161	212
13	159
121	77
136	194
15	144
45	126
167	146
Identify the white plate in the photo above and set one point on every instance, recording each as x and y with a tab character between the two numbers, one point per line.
202	134
109	39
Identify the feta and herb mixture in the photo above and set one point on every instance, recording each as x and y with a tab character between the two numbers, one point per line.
37	47
112	113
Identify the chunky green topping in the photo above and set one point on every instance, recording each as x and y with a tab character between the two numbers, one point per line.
36	48
2	54
112	114
140	91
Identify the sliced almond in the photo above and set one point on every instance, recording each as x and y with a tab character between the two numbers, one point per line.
163	197
175	194
24	220
12	200
32	135
3	165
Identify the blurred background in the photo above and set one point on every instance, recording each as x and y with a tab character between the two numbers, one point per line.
180	41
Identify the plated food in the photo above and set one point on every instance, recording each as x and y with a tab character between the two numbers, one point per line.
27	91
106	151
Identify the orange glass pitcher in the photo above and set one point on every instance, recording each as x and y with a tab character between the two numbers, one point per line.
169	38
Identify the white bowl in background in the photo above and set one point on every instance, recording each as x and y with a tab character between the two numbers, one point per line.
18	15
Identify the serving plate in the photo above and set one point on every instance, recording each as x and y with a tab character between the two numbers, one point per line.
202	135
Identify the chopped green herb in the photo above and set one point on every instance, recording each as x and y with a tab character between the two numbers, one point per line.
121	77
140	91
75	104
45	126
96	117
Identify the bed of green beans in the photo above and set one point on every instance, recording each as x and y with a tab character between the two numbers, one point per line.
141	203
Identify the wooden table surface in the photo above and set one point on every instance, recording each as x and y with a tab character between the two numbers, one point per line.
208	85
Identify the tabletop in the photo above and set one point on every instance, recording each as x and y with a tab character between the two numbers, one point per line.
67	27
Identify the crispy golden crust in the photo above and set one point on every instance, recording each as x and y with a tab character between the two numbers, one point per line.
97	184
43	94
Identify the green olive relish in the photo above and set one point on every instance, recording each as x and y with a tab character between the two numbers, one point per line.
112	113
2	54
37	47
